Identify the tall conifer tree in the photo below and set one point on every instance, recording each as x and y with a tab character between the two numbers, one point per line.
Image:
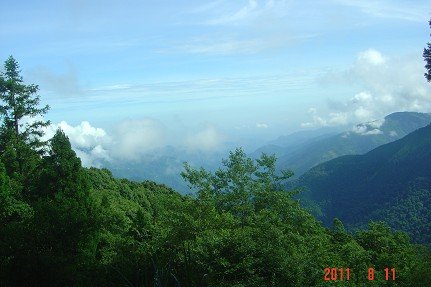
22	118
427	58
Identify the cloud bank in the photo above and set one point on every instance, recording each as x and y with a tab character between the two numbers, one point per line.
384	85
132	140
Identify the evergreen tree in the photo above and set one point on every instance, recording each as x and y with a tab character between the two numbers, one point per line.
427	58
64	226
19	108
62	171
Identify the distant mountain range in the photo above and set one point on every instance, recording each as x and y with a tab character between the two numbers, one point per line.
390	183
286	144
301	151
165	165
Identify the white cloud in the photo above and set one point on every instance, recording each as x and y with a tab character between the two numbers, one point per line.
262	126
363	130
393	133
207	139
376	124
90	144
373	132
369	128
384	85
312	111
129	140
359	129
333	119
135	138
362	113
372	57
84	135
362	97
307	125
337	119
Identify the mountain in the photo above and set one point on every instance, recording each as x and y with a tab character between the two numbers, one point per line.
361	139
298	151
164	166
283	144
391	183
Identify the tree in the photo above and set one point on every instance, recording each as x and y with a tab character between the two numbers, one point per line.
63	230
427	57
250	231
19	108
61	169
242	186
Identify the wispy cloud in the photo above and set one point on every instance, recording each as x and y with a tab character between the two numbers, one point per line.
403	10
224	47
244	13
236	45
187	91
262	126
209	6
333	119
253	26
208	138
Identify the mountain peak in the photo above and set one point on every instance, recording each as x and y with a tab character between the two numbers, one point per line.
407	116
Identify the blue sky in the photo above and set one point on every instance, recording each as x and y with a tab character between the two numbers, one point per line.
220	70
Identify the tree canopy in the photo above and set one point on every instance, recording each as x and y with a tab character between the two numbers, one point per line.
65	225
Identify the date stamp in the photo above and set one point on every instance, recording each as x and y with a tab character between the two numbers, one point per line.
344	274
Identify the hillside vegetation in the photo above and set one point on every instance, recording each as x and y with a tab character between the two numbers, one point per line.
390	183
64	225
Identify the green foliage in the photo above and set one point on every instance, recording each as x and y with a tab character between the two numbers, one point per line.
63	225
88	229
427	58
55	243
20	102
390	183
61	170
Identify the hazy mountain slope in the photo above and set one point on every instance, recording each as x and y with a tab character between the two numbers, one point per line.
377	185
298	151
165	166
363	138
293	141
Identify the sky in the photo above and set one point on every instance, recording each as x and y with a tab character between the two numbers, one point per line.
132	76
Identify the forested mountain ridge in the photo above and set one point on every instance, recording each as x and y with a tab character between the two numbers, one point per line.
65	225
391	183
86	228
361	139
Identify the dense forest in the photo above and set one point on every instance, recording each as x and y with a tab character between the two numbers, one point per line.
390	183
65	225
